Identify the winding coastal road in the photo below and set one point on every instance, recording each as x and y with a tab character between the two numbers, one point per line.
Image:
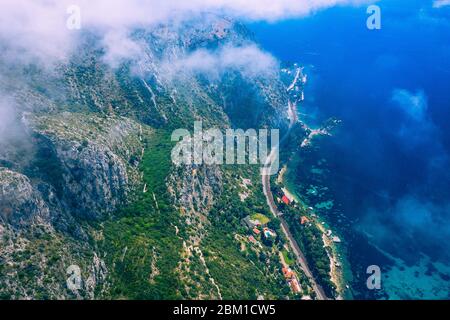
274	209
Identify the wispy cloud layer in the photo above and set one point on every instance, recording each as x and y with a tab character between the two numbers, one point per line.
249	60
441	3
36	32
37	29
414	104
407	219
415	214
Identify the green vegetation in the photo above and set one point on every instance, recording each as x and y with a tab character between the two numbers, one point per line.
141	241
241	274
44	280
288	258
309	238
262	218
142	245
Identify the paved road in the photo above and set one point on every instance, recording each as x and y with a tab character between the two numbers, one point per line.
284	226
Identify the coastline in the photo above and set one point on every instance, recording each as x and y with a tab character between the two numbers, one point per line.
338	263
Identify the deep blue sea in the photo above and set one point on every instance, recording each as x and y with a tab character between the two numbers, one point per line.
387	167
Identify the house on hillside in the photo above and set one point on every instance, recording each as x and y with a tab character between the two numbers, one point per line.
287	196
295	286
286	200
292	280
304	220
251	223
336	239
269	234
287	272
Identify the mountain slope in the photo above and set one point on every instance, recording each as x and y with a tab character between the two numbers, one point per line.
91	183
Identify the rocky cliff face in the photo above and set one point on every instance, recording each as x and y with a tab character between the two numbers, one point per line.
95	159
83	167
20	203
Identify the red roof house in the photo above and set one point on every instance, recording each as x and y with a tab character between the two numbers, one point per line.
285	200
287	273
304	220
295	285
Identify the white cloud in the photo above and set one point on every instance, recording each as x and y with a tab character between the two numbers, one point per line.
33	29
441	3
417	129
119	47
414	104
11	132
7	117
409	216
269	9
249	60
37	29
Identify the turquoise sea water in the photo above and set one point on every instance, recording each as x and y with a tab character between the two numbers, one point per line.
386	173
